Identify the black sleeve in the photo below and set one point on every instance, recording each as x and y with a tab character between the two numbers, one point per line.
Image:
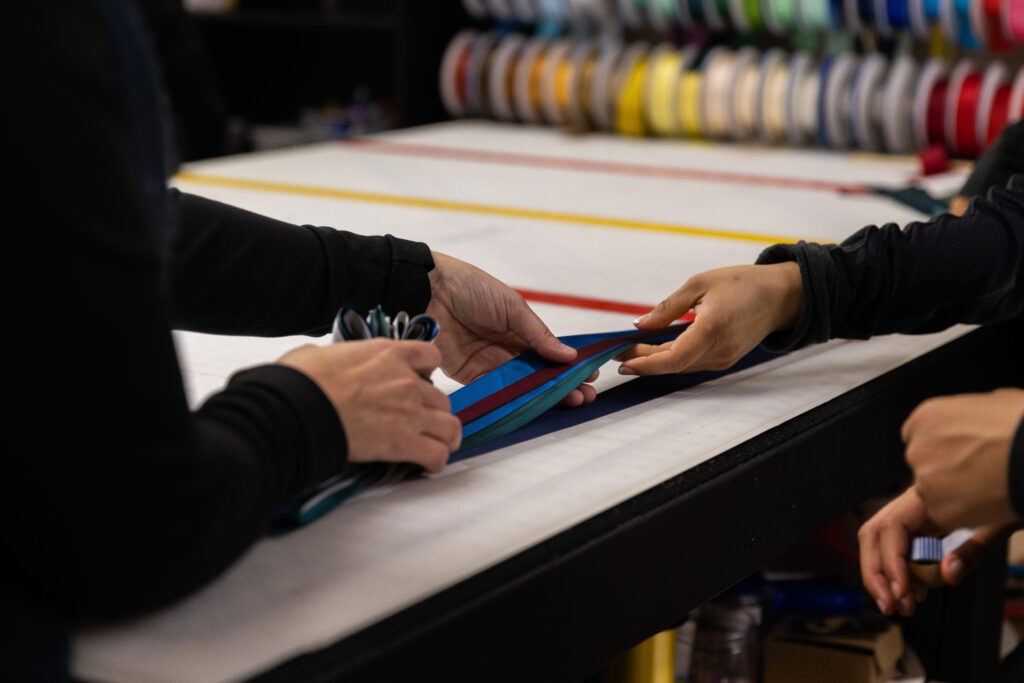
236	272
115	497
923	278
1016	473
1001	161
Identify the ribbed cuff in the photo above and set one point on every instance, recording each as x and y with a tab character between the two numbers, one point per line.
1015	475
408	283
787	340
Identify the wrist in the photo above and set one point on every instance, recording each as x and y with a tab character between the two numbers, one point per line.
788	291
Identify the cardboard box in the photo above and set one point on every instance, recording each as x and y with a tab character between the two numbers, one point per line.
844	657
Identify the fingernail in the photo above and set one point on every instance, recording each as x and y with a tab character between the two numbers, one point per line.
881	605
895	590
641	319
956	568
623	370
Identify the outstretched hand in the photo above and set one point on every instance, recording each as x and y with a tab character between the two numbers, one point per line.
736	308
485	323
885	541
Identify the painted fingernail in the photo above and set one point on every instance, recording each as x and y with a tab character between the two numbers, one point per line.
623	370
641	319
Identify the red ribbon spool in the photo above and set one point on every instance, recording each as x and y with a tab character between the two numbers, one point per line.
997	40
1000	113
937	112
966	143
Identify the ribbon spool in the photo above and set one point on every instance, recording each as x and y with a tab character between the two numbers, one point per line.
664	84
744	115
920	22
898	105
1013	20
929	107
555	80
500	9
501	78
715	96
690	83
778	16
851	16
453	72
867	101
602	88
993	105
1016	105
629	14
525	11
834	104
771	97
584	61
962	110
661	14
954	15
526	80
813	15
629	90
802	99
477	95
715	12
475	8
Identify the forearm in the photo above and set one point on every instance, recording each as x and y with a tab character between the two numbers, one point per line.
999	163
236	272
920	279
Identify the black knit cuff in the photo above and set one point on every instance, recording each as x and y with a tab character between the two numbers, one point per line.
1015	475
787	340
408	283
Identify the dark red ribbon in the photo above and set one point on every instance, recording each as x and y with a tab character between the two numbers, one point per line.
937	112
1000	113
966	143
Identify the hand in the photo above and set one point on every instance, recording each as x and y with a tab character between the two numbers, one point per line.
959	449
387	409
885	541
736	308
958	204
484	323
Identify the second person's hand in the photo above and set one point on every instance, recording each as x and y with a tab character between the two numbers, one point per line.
736	308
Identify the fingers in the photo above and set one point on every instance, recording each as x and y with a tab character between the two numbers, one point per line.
676	356
422	357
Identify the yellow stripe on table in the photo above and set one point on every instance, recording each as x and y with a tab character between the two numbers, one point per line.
469	207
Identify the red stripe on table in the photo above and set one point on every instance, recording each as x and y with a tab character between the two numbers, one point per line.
591	304
595	166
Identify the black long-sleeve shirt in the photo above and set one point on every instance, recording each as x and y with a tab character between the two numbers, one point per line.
922	278
115	497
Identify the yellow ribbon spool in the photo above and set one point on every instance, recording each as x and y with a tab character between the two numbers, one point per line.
689	103
661	88
629	111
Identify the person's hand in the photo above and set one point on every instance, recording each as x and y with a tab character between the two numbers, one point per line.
736	308
959	204
959	449
389	412
484	323
885	541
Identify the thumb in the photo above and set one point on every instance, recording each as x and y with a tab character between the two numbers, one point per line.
672	308
957	564
531	329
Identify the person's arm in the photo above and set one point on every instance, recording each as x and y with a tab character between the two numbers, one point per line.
1015	477
116	498
236	272
997	165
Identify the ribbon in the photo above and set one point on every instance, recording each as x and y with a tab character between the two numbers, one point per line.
966	142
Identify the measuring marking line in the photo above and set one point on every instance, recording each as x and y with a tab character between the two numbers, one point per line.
599	166
467	207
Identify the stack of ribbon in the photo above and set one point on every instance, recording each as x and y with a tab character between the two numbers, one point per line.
840	101
990	24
